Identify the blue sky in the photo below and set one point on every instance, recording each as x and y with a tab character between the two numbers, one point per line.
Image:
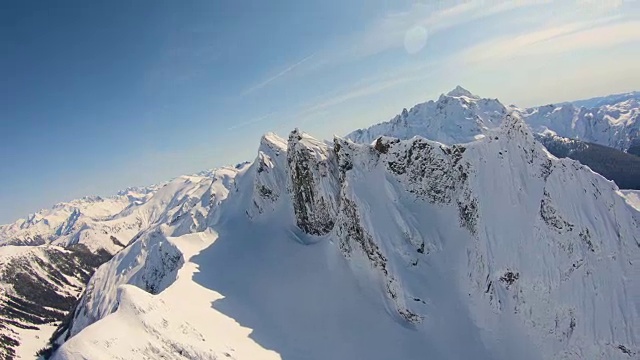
98	96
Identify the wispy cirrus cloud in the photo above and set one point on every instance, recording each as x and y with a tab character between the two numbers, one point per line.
366	87
277	76
524	28
355	93
255	120
390	32
569	37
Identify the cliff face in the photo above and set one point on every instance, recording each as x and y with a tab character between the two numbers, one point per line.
312	183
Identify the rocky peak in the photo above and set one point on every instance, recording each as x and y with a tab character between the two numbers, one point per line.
313	183
514	127
270	142
271	173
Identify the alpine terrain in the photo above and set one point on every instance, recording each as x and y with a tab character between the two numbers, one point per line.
449	232
605	138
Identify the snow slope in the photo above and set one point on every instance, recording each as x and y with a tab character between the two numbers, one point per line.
147	326
46	259
150	261
400	249
110	223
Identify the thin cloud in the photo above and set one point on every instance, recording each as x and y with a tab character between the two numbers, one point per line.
388	33
566	38
277	76
363	91
369	87
251	121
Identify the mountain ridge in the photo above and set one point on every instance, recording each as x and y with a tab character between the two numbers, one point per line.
386	216
402	237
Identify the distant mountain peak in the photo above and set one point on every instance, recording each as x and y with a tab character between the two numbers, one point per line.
460	91
457	117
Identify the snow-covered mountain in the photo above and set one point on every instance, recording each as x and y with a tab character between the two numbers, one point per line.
460	116
615	125
47	258
90	221
457	117
406	249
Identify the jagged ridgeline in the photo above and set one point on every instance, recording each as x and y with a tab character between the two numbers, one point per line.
487	242
484	242
401	206
405	246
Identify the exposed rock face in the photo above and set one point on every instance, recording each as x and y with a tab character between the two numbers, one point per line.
434	173
313	183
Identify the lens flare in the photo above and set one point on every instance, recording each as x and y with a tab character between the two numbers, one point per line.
415	39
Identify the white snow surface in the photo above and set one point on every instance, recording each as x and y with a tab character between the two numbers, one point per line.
167	325
31	341
489	250
607	100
